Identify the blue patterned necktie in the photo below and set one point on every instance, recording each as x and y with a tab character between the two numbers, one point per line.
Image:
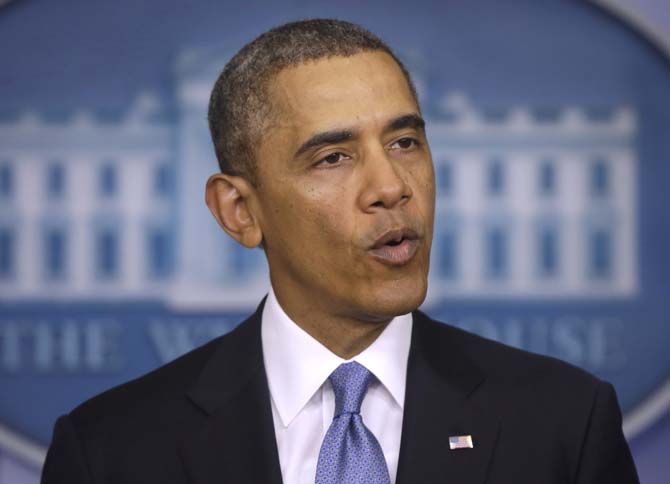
349	452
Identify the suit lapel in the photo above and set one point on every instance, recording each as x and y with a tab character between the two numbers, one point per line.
236	442
439	403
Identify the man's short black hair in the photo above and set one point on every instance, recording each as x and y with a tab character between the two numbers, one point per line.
240	108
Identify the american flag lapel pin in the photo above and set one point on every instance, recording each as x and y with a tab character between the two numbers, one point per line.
460	442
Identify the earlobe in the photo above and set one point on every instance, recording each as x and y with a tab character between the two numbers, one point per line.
229	198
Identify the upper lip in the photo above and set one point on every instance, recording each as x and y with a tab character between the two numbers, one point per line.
394	235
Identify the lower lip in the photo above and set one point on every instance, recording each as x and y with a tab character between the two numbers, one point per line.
396	255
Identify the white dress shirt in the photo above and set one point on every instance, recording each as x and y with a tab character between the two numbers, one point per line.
303	401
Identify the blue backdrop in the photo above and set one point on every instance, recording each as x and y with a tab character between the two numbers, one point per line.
548	126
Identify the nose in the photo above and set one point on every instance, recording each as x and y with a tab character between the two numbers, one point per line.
385	184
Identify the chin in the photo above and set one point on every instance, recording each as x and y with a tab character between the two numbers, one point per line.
399	299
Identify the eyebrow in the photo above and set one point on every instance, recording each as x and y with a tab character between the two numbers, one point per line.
406	121
411	120
325	138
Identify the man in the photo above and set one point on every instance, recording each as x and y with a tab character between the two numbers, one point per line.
337	378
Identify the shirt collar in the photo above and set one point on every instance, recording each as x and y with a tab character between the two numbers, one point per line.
297	364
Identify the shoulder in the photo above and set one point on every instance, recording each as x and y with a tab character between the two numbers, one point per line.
572	418
160	393
133	431
163	383
506	366
544	399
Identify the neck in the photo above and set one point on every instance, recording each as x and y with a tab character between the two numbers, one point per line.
344	336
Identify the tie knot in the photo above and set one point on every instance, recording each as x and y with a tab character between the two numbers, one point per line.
350	383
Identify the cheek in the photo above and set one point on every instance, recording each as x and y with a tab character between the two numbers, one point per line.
330	223
423	185
315	219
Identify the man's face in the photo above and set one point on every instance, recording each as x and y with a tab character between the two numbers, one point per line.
346	189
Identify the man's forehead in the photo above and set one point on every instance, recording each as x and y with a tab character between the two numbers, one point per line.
339	92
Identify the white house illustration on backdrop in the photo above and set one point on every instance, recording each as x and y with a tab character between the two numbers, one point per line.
529	205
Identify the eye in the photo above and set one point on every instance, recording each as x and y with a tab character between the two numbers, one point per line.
331	159
405	143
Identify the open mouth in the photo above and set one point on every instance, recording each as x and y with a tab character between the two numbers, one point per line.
395	237
396	247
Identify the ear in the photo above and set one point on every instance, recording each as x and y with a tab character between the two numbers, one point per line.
230	199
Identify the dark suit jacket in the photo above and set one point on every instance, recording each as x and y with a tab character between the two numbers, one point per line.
206	418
